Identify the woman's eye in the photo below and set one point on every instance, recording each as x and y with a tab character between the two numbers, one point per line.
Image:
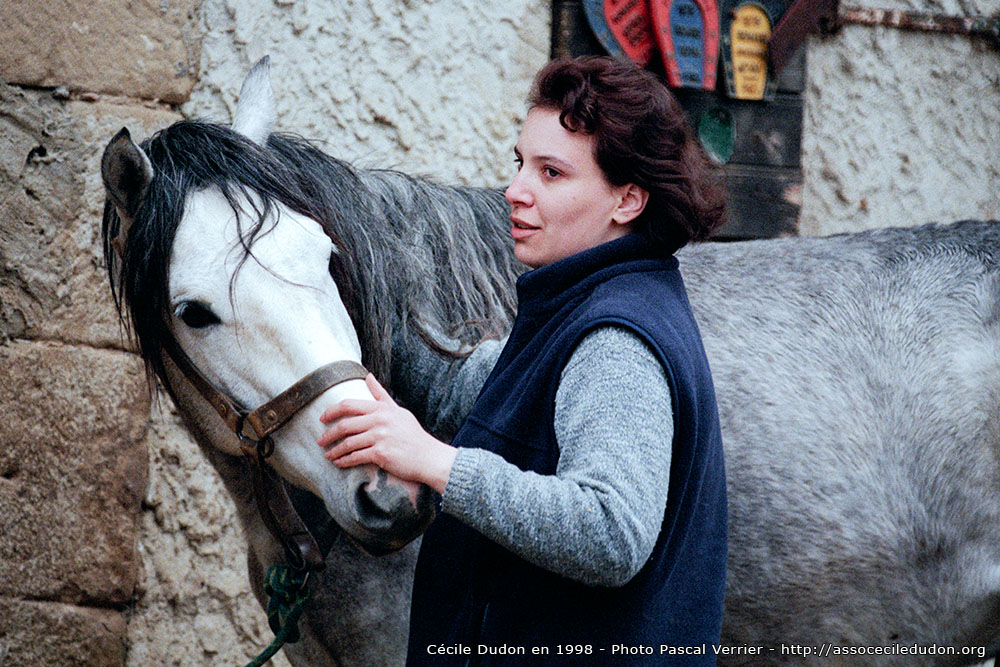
550	172
196	315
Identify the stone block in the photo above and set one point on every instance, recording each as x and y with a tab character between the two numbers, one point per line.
72	472
148	48
46	633
53	281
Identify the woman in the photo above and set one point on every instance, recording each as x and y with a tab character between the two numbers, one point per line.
578	519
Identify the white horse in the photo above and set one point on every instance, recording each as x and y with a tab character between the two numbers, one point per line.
856	376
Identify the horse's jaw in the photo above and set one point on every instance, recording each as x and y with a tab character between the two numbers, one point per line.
378	512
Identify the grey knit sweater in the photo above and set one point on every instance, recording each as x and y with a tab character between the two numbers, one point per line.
597	519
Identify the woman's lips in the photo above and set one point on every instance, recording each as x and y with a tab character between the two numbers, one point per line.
521	230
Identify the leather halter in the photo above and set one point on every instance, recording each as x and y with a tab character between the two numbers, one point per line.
256	425
254	429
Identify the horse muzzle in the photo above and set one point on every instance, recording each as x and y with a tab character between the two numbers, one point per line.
388	513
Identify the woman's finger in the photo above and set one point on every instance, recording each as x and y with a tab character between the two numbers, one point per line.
348	445
377	390
359	457
344	427
347	407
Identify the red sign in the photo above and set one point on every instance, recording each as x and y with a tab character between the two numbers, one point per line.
623	27
688	34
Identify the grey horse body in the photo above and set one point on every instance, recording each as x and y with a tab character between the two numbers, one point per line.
857	385
856	379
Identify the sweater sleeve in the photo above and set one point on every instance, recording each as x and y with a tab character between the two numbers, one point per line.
597	519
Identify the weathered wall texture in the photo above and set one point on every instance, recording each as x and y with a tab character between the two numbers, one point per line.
73	458
432	87
142	48
900	128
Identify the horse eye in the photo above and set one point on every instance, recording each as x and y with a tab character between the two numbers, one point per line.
196	315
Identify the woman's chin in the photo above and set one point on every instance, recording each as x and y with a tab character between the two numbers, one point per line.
524	254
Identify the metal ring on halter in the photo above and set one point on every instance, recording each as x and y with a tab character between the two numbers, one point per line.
295	559
265	447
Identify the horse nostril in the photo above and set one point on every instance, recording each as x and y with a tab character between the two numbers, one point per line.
387	513
373	512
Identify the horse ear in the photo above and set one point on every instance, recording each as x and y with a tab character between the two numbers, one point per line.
255	115
127	173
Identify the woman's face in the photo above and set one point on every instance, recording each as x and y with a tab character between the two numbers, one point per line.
561	203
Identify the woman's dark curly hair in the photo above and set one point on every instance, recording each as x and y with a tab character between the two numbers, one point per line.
642	137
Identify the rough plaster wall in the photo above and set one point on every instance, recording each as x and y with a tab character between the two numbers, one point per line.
901	127
432	87
435	88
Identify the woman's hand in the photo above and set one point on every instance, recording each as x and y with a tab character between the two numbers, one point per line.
387	435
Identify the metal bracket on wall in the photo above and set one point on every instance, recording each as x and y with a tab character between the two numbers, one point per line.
826	16
800	19
975	26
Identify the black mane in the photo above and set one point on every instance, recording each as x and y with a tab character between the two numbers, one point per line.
414	254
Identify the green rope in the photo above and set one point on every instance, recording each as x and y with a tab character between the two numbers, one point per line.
287	598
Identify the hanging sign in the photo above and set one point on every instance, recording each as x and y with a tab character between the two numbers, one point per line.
622	27
687	32
744	47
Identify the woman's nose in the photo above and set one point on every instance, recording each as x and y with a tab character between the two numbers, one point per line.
517	193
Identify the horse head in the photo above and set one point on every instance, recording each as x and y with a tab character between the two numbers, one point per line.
215	248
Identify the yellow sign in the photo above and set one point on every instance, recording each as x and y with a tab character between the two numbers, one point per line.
749	34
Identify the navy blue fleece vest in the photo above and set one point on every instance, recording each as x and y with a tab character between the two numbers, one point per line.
469	591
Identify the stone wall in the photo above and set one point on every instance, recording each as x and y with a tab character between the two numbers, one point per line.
118	544
75	406
73	441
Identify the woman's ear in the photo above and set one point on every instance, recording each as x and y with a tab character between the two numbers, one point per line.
633	202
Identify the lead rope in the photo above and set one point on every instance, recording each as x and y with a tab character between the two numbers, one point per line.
286	588
284	584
